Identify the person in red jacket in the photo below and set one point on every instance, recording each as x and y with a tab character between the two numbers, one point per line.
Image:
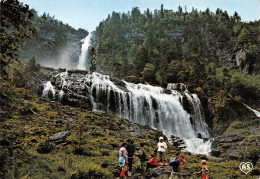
152	163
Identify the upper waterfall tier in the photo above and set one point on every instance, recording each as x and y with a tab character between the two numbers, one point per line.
83	62
141	103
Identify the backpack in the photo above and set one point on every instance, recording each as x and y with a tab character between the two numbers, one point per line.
130	149
121	161
144	157
174	161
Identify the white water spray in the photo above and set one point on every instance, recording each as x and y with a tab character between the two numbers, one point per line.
144	104
257	113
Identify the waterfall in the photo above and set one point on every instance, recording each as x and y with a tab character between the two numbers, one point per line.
48	90
83	62
143	104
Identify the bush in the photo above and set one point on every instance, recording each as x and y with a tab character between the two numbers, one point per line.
45	148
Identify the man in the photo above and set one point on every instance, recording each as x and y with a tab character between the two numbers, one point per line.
161	150
142	156
123	159
178	161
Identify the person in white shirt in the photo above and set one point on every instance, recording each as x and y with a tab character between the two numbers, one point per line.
161	150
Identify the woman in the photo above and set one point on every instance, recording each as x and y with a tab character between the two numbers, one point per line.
123	159
152	163
204	171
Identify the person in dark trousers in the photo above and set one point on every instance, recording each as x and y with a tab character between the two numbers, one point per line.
142	156
177	166
131	150
152	163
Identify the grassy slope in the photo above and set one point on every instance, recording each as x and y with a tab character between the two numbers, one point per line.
29	127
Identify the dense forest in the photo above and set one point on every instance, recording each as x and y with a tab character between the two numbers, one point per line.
216	54
160	37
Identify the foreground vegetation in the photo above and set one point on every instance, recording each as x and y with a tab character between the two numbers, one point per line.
90	149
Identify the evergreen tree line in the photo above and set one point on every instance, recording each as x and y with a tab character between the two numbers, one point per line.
178	46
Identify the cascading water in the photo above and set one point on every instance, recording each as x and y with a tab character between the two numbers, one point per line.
48	90
144	104
257	113
83	58
141	103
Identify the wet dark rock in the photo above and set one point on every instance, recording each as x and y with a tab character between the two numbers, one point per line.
154	103
40	87
206	110
167	91
177	142
61	70
186	104
118	82
77	71
215	152
199	135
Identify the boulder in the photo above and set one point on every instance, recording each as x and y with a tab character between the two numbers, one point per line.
158	172
59	137
215	152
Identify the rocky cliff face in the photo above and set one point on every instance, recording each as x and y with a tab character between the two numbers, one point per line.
232	58
49	49
240	141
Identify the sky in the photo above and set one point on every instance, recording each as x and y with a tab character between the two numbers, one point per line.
87	14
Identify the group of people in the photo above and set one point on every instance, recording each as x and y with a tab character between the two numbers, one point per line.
128	150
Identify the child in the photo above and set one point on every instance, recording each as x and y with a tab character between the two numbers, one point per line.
205	170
